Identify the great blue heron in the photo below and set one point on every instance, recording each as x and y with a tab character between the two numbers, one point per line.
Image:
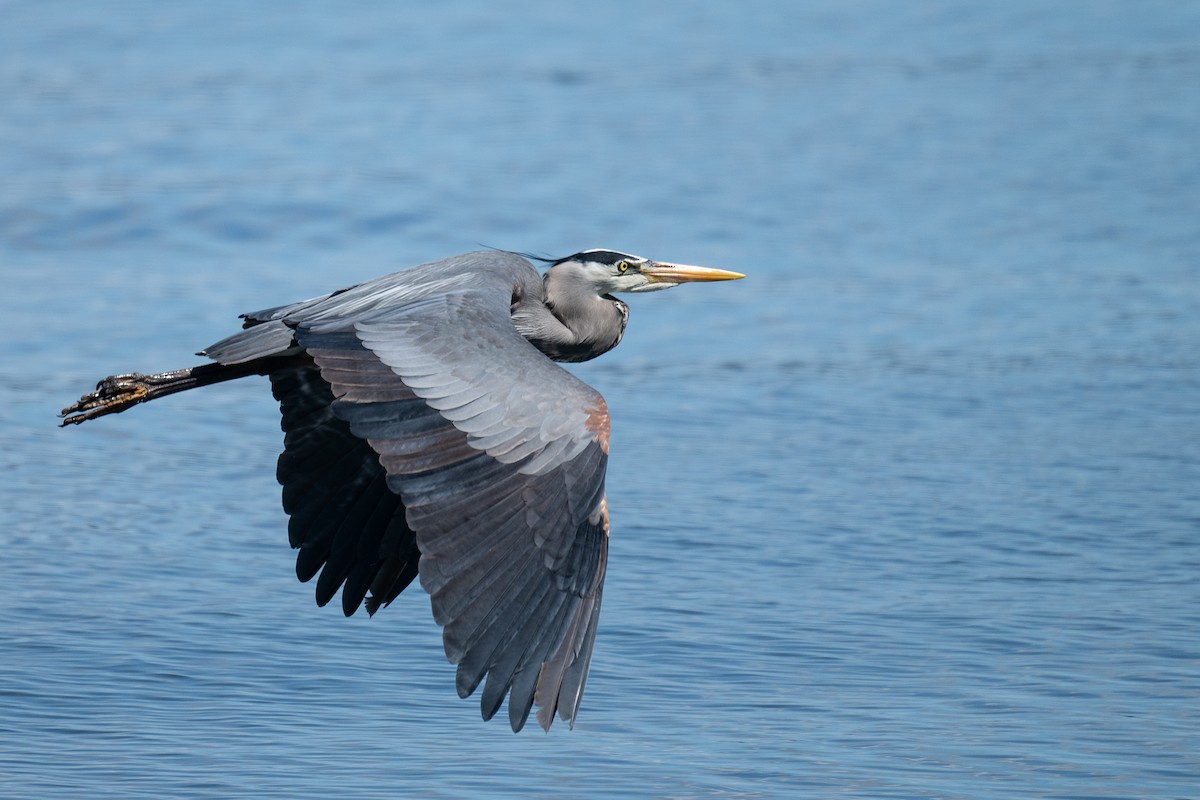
427	428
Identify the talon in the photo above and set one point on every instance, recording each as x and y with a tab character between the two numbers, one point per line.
113	394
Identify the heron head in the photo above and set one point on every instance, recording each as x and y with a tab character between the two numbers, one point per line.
611	271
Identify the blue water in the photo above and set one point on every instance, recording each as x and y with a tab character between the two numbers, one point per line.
911	512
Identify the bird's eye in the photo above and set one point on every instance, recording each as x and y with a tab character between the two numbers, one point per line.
623	266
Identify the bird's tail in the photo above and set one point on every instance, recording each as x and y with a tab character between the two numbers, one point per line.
119	392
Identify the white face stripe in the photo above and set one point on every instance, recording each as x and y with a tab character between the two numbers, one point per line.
599	271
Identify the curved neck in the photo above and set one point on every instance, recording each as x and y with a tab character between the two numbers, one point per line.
570	322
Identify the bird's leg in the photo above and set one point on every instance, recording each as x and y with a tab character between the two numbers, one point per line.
119	392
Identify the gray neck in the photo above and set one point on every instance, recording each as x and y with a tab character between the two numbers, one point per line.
572	322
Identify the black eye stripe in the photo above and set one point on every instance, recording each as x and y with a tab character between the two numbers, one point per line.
610	257
607	257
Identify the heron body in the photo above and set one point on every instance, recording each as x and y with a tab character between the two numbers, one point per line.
428	431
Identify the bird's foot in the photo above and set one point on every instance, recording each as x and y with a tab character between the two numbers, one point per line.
113	394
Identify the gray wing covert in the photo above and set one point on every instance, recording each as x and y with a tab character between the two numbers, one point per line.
499	457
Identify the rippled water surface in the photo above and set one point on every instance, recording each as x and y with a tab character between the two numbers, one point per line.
913	511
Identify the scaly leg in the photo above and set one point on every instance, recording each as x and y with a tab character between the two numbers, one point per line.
119	392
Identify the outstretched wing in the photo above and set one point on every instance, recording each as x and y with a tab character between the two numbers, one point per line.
498	456
346	522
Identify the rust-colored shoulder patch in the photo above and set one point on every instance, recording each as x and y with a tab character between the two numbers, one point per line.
598	423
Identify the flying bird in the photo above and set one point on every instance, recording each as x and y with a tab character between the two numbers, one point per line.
427	430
